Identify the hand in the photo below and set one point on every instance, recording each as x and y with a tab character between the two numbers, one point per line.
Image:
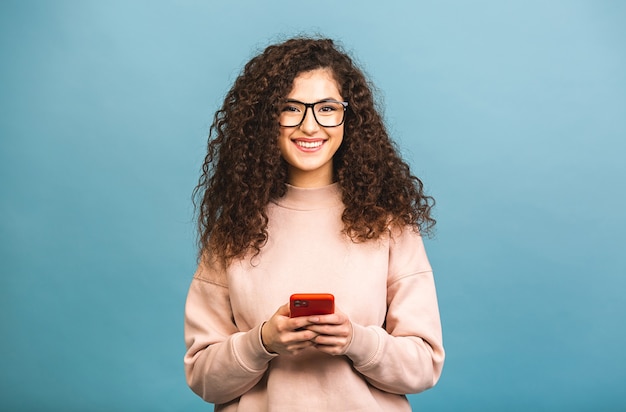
333	332
286	336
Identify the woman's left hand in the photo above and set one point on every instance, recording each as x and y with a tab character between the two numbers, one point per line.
334	332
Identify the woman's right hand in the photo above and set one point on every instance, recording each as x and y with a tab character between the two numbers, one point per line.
284	335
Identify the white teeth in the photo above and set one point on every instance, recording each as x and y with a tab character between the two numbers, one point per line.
309	145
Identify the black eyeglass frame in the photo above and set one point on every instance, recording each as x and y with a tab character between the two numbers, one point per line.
311	105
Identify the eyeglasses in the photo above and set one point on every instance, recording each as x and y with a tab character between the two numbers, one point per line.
327	113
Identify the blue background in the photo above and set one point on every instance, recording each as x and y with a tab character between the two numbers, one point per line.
512	112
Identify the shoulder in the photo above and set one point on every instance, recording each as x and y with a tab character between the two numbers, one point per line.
402	231
407	253
211	269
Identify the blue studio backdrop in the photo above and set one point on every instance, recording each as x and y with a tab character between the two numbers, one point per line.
512	112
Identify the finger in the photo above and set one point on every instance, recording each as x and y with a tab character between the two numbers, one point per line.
324	319
330	330
283	310
288	338
335	347
299	323
332	319
303	335
300	345
328	340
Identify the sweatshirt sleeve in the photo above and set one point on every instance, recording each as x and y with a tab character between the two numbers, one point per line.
221	362
406	356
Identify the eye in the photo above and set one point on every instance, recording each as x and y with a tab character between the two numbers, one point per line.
327	108
291	108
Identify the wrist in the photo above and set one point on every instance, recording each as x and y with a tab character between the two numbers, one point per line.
264	340
365	345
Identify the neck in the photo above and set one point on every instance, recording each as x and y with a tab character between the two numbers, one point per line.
310	179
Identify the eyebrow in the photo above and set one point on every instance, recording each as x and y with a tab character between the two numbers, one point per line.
327	99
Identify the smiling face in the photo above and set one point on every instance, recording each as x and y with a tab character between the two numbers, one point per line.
309	148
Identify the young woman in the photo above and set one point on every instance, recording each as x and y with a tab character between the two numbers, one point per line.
302	190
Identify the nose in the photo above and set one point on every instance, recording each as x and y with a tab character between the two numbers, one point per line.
309	124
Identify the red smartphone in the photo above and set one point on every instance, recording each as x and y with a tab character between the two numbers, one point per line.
307	304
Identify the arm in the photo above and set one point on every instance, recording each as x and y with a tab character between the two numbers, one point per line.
221	362
407	355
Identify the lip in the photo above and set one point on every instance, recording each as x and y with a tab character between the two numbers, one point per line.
309	145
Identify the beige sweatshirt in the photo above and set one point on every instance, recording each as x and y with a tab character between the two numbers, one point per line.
386	287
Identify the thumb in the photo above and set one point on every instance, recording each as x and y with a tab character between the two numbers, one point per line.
283	310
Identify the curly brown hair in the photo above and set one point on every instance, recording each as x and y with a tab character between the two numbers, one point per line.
243	169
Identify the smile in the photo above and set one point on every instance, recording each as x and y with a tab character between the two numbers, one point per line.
309	145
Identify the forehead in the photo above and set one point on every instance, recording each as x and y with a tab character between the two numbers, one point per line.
315	85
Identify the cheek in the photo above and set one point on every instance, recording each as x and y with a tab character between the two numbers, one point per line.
285	145
283	135
283	139
339	136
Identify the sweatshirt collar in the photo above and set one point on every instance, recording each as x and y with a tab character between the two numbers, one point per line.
300	198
